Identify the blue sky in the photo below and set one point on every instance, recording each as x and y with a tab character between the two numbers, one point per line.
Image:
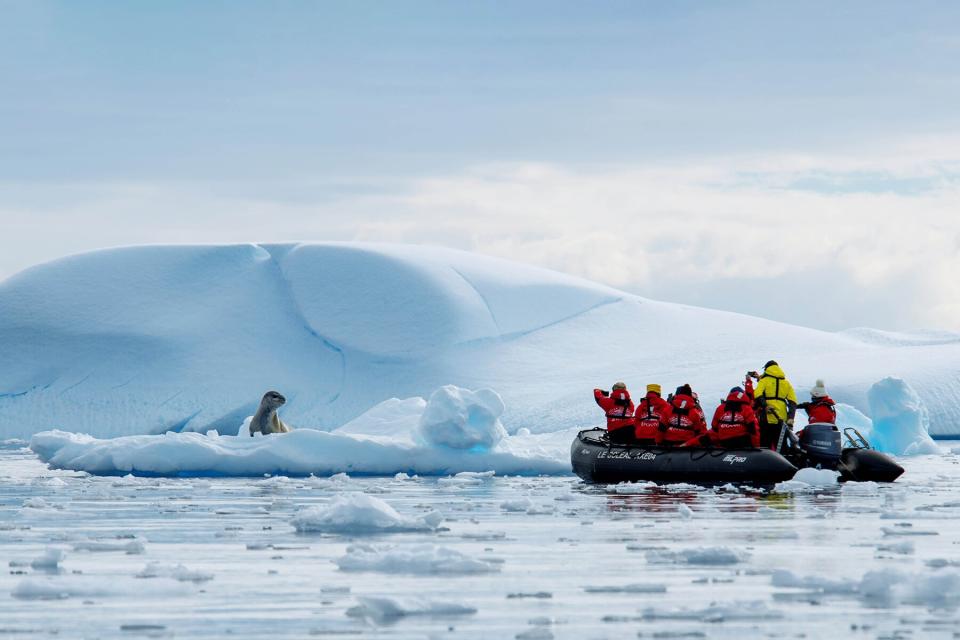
425	122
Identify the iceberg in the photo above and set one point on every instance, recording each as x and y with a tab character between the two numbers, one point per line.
179	339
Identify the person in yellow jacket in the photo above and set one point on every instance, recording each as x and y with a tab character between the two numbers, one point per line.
776	403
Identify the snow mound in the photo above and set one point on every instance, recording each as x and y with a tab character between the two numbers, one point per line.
462	419
900	420
420	559
360	513
381	609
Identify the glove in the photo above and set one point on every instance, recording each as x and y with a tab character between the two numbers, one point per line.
754	375
605	394
790	422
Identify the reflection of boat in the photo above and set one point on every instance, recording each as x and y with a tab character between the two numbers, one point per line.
596	459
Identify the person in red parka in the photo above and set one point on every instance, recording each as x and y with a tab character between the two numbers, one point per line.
821	407
652	412
618	407
734	424
686	419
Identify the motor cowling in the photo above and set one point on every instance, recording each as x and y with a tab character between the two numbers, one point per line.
822	444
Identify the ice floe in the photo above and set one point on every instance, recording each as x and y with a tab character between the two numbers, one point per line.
701	555
417	559
382	608
359	513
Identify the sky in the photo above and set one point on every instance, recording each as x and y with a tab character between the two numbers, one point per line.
798	161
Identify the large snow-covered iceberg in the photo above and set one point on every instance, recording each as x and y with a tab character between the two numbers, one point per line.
187	338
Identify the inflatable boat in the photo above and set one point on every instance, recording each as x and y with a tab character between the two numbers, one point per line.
596	459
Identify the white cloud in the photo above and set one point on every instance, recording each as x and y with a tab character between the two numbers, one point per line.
863	238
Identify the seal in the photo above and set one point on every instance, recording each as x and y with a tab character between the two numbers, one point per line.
266	420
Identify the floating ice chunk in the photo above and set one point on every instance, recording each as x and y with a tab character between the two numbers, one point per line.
628	588
176	571
900	419
537	633
627	488
683	487
903	548
360	513
462	419
752	610
130	547
380	609
62	587
49	560
906	531
817	477
420	559
702	555
467	478
685	512
885	587
806	480
869	488
516	505
787	579
36	503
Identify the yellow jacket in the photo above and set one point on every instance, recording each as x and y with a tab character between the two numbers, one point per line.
777	390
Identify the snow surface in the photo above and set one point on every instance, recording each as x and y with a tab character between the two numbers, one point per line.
153	339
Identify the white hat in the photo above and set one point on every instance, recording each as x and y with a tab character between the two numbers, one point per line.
819	390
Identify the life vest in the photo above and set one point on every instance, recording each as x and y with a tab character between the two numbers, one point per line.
618	407
652	412
774	392
734	418
821	410
685	421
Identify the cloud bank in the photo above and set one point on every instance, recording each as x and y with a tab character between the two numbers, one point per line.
833	241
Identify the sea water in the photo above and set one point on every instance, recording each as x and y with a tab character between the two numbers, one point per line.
511	557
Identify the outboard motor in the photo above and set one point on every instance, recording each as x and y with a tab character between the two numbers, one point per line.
821	442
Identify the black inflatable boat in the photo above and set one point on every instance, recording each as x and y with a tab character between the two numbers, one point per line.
596	459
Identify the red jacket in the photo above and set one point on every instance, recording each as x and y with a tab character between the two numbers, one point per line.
617	406
821	410
735	418
686	421
652	412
